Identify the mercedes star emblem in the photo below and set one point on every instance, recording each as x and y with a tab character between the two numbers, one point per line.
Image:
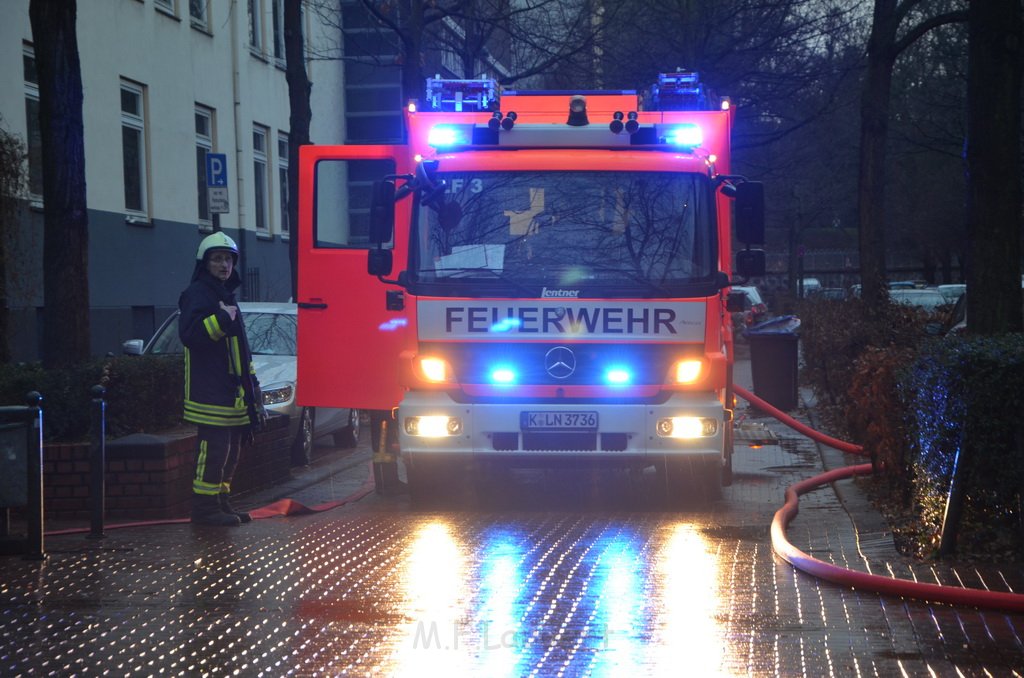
560	362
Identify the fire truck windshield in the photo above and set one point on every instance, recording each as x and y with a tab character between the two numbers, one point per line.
619	233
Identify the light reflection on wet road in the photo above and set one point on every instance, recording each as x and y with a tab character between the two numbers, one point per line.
525	574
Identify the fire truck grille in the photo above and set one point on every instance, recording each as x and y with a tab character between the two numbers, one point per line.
559	441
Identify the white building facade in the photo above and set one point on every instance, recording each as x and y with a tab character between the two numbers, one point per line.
165	83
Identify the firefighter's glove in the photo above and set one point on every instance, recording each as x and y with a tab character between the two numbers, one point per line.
257	418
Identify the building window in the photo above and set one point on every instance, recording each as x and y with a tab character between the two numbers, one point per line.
34	132
255	27
259	178
282	180
133	146
278	17
204	145
168	6
197	14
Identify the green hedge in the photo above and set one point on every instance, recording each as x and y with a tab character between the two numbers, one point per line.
143	394
965	399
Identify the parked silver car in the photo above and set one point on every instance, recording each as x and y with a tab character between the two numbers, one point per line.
271	328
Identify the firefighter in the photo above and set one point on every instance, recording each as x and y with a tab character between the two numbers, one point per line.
222	395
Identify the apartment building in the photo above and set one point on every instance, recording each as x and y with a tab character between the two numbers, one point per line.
165	82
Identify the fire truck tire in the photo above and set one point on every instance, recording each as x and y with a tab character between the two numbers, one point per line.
727	466
690	481
348	437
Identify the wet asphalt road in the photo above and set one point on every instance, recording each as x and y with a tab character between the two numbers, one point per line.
524	573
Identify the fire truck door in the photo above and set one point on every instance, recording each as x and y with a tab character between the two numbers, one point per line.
352	326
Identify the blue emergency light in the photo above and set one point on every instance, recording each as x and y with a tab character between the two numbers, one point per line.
444	136
503	374
618	375
686	135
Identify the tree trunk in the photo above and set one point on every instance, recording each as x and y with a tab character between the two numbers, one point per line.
413	80
874	132
65	220
993	166
299	89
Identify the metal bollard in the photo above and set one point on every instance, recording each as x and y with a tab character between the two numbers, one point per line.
98	462
34	510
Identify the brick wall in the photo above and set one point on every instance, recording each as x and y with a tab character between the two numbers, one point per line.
149	476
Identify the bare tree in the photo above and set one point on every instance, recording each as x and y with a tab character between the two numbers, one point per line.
993	166
528	39
65	220
895	25
12	181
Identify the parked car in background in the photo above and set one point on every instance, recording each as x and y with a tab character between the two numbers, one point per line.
810	287
831	293
271	329
952	292
754	309
928	299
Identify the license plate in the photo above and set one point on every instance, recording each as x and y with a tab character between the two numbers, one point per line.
558	421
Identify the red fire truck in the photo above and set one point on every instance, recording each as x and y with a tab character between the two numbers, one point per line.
534	279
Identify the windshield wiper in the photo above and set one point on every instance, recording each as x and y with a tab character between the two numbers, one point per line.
459	273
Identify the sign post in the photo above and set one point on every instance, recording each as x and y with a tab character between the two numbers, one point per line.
217	183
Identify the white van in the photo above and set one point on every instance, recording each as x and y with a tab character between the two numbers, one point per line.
811	286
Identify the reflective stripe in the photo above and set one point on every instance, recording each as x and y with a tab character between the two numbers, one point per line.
188	373
235	354
213	327
200	464
215	415
199	487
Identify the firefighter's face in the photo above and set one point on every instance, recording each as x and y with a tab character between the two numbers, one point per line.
220	263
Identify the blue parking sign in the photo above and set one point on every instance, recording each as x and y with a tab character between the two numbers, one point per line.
216	169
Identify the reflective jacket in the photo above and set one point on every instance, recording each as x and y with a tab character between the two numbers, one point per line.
216	352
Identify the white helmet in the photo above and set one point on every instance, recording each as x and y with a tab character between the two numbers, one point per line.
216	241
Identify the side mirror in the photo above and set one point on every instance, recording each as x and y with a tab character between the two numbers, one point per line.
379	262
382	212
750	212
132	347
750	264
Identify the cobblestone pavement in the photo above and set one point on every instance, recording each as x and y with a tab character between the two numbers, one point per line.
527	574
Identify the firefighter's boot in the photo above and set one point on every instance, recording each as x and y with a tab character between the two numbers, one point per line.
226	507
206	511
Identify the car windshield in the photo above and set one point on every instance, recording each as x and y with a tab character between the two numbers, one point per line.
268	333
929	300
645	230
271	333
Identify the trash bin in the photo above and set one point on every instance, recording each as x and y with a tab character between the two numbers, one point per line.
773	360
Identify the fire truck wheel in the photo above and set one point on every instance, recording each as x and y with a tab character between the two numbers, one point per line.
691	481
348	437
727	467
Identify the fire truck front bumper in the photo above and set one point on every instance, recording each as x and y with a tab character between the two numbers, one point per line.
687	424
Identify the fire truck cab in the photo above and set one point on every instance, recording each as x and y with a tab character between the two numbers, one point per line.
538	278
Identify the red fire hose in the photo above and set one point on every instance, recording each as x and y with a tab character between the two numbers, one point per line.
1011	602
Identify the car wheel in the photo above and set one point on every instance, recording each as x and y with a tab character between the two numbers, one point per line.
302	448
348	437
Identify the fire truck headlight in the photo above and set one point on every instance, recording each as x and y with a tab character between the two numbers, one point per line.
687	427
433	427
688	371
441	136
434	370
688	136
